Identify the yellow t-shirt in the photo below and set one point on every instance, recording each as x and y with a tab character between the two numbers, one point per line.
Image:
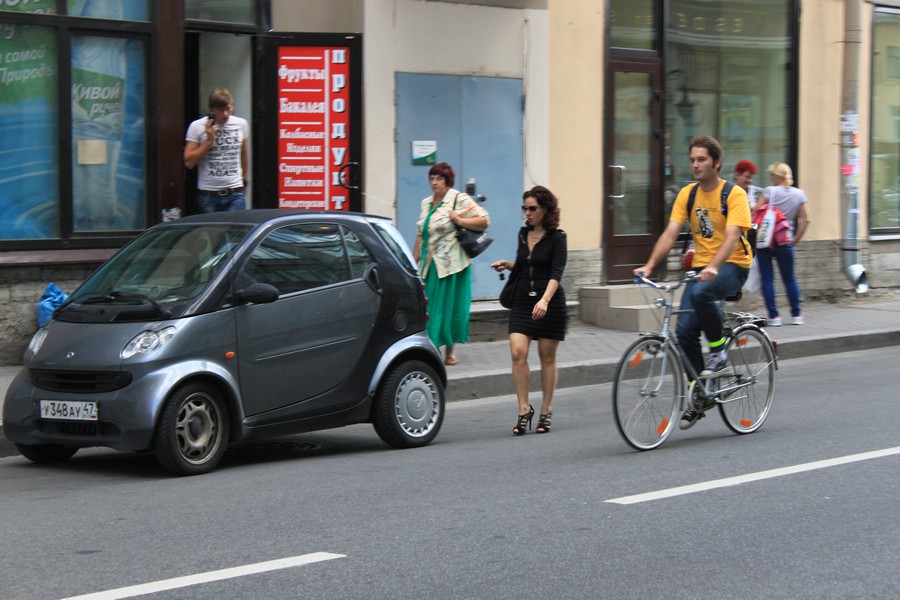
707	225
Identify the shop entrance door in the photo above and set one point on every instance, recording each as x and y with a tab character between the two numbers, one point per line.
633	206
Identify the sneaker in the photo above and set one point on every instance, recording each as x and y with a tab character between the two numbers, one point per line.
688	418
716	366
798	320
775	321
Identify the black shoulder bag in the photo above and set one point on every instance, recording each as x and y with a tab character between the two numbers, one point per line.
473	242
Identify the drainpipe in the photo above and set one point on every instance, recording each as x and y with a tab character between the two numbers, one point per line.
850	160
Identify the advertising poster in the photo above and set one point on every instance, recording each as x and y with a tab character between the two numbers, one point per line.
313	126
107	133
29	182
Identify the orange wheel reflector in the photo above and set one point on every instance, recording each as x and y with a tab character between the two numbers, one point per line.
662	426
636	360
742	342
746	422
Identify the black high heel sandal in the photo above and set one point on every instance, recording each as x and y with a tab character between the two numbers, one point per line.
544	423
524	421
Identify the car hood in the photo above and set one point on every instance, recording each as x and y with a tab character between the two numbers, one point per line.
89	346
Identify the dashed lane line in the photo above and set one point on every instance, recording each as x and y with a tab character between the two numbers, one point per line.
760	475
189	580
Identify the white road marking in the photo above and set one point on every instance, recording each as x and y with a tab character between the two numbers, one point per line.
729	481
188	580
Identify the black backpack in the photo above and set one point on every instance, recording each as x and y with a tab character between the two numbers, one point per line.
748	238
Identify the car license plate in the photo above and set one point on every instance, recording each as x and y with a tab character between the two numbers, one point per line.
65	410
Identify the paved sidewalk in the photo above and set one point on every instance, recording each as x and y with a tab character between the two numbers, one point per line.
589	354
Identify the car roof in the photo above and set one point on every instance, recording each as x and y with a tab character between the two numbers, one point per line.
257	216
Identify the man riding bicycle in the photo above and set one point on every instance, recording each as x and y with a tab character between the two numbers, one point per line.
721	255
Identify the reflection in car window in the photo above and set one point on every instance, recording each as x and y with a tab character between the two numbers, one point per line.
359	255
396	243
299	257
170	264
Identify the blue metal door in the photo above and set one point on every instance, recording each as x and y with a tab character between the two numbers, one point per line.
477	125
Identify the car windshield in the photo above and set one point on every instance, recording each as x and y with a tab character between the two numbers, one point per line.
163	266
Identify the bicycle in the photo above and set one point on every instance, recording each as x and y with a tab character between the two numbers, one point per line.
651	390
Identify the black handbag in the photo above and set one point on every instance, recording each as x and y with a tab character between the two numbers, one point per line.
473	242
508	293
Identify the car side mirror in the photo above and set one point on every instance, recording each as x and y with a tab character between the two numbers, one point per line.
257	293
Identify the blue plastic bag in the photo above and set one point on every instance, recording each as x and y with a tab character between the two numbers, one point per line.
52	297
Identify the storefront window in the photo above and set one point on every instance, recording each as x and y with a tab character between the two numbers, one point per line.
223	11
127	10
884	190
44	7
633	24
727	75
29	181
108	134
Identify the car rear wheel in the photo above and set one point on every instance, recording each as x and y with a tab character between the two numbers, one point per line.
192	433
46	453
409	405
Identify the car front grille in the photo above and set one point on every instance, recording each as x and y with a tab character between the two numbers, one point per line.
89	429
79	382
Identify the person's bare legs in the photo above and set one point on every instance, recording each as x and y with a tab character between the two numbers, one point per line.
549	375
518	347
449	355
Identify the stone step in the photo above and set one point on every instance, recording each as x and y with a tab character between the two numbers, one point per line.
622	307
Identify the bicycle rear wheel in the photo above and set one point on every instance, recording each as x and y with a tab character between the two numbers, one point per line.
647	393
745	409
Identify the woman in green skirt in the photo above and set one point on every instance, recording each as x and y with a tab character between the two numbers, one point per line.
442	262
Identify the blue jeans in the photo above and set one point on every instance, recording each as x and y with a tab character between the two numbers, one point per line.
215	203
704	298
784	255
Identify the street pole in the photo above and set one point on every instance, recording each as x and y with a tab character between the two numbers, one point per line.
850	159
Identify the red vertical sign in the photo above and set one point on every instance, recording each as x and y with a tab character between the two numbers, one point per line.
313	126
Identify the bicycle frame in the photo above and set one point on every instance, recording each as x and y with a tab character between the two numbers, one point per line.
709	389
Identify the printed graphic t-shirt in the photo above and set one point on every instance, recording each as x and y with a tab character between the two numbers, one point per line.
221	167
707	225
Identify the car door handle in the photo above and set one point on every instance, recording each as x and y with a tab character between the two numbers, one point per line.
373	278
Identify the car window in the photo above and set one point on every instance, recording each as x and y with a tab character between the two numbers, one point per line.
395	243
360	257
299	257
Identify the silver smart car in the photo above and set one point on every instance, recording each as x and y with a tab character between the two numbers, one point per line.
219	328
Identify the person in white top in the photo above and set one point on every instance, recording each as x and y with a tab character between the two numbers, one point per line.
791	201
217	145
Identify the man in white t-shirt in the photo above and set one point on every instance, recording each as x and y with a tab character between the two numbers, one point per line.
217	145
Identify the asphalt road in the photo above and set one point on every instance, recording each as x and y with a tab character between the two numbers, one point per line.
481	514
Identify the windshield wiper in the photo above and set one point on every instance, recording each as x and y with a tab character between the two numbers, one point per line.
117	296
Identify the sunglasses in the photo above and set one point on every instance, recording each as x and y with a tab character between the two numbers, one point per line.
530	208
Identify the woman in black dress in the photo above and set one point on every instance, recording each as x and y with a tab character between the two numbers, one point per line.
539	308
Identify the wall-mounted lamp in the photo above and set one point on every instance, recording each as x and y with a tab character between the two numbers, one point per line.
685	107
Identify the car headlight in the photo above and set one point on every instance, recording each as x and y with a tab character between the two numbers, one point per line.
37	341
148	341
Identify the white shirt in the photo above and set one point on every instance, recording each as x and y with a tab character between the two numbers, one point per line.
221	166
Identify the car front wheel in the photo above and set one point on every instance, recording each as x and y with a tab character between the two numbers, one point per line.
409	405
192	433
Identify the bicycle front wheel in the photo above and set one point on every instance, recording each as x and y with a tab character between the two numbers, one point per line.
746	407
647	393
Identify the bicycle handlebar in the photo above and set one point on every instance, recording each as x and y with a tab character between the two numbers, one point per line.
640	278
